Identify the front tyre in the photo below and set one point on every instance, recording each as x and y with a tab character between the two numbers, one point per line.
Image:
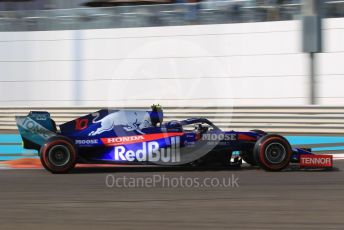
273	152
58	155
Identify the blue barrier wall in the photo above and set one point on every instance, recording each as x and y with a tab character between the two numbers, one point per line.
11	148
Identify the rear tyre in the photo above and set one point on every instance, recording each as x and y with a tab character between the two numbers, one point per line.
58	155
272	152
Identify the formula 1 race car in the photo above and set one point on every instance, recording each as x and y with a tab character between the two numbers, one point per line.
141	137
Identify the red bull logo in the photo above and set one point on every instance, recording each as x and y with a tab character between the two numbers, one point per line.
150	151
130	120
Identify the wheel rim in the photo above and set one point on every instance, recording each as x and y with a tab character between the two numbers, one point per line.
59	155
275	153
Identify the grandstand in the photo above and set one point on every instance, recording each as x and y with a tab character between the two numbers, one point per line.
72	15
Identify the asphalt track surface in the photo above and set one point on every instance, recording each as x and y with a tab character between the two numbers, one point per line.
293	199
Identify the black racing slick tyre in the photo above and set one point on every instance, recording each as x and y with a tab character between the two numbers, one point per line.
58	155
272	152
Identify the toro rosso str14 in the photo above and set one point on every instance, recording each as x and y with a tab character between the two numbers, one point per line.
141	137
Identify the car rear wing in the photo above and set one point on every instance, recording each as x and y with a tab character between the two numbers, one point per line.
35	129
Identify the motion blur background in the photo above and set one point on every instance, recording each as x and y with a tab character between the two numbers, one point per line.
188	53
239	63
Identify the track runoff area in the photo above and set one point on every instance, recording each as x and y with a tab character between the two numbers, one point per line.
146	197
125	197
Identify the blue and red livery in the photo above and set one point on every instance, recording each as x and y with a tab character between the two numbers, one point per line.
141	137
